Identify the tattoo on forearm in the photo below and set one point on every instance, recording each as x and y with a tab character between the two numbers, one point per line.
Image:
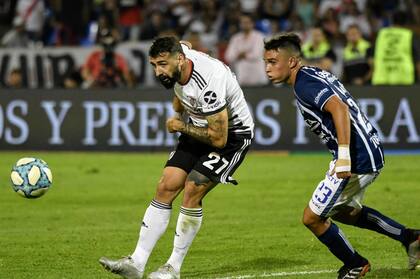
216	129
199	133
218	125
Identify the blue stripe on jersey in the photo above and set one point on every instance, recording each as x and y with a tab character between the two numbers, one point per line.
313	88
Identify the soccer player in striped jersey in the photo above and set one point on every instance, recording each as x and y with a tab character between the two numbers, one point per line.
334	115
212	144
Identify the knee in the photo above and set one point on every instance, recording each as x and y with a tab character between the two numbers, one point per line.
310	220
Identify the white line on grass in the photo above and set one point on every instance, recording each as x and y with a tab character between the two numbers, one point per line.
279	274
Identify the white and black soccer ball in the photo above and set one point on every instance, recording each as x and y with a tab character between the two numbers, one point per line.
31	177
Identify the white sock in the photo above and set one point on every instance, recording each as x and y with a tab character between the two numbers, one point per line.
187	227
154	224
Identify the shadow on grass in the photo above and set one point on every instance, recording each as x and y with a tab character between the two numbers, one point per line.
255	266
384	272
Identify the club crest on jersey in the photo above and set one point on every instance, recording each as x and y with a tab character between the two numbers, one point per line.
210	97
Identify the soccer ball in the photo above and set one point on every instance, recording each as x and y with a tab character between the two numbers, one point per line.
31	177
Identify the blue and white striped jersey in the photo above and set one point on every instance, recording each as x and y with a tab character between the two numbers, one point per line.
313	88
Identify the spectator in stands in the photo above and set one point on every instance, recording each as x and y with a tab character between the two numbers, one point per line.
396	56
15	80
207	23
105	67
317	51
153	26
297	25
245	53
195	39
68	22
16	37
305	9
182	14
230	22
109	9
331	26
327	5
279	10
32	13
350	15
131	17
356	69
73	80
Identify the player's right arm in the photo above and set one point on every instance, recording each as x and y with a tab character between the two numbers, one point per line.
341	118
177	105
215	134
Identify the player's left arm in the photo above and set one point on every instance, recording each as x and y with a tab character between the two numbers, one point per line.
341	118
215	134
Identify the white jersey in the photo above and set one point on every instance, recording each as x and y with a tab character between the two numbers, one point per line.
211	88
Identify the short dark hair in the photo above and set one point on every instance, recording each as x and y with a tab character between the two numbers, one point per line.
168	44
289	41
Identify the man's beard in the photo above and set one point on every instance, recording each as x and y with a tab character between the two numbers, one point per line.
169	82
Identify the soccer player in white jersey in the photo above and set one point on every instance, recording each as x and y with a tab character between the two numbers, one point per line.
212	144
331	113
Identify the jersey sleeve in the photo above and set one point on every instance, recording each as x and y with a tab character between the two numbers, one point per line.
213	97
314	93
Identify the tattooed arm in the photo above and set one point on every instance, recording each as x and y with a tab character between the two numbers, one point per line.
177	105
214	134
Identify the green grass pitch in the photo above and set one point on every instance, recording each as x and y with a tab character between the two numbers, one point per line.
97	201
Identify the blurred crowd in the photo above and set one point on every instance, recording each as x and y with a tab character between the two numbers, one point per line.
338	35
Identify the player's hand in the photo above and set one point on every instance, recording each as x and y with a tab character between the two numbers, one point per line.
174	124
343	164
342	168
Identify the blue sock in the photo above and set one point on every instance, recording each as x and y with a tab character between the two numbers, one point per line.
373	220
338	244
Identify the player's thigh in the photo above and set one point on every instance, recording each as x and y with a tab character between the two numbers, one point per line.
333	194
179	164
219	164
170	184
196	188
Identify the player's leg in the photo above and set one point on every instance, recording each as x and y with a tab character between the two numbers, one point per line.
371	219
154	224
353	213
190	216
157	215
368	218
214	167
188	224
330	194
335	240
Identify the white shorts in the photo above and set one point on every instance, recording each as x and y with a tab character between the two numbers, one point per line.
333	193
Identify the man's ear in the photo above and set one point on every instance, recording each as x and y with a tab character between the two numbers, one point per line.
181	56
293	62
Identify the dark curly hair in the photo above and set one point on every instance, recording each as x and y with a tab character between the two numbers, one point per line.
165	44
